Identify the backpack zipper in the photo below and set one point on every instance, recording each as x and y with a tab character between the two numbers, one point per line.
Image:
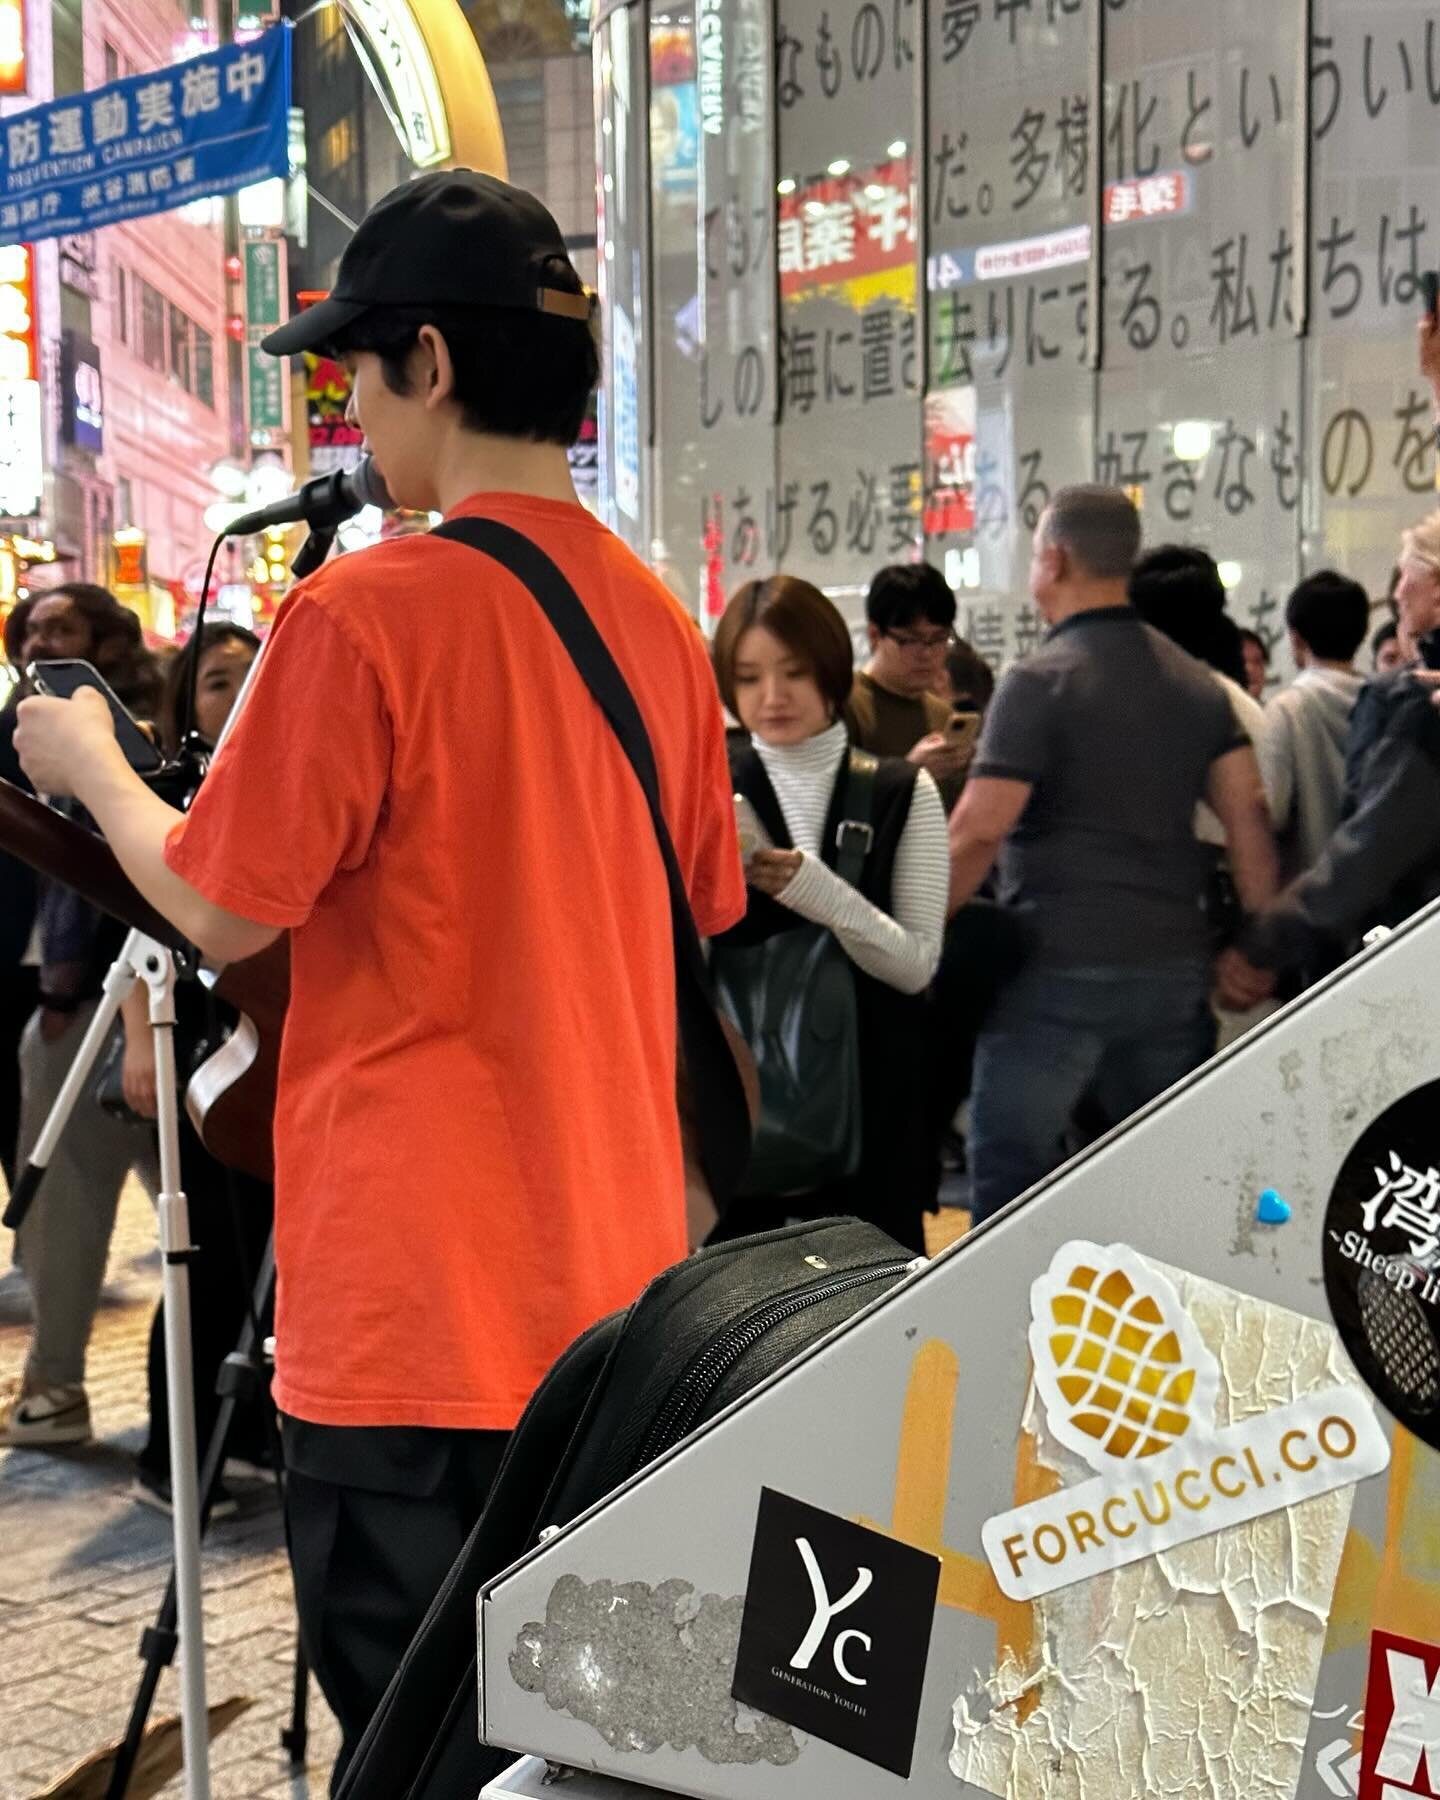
681	1411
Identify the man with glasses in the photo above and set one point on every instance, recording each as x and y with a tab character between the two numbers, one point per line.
895	708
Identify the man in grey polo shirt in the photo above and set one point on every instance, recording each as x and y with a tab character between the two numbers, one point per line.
1096	749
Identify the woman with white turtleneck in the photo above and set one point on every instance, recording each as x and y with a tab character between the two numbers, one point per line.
785	663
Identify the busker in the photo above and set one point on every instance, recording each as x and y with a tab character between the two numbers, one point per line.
476	1141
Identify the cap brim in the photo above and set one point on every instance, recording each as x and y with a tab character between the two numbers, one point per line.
312	329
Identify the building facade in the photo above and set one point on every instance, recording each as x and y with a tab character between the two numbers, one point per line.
130	333
879	277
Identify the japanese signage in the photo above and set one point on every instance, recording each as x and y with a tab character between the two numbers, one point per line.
847	497
151	142
334	442
734	408
848	233
264	390
13	77
266	296
22	463
264	303
402	58
82	405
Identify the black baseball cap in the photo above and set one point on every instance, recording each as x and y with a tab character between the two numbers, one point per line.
449	238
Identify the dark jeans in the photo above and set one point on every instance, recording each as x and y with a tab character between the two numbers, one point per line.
1118	1035
375	1517
18	991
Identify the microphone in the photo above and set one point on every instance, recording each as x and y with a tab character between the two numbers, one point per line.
322	504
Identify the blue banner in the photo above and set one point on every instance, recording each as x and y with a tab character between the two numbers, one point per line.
149	143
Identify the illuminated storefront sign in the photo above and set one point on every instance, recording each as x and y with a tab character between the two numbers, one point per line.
423	60
711	34
853	231
22	466
82	404
12	47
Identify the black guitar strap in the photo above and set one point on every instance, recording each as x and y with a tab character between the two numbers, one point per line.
717	1094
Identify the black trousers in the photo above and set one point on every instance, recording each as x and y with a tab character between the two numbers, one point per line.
375	1517
19	989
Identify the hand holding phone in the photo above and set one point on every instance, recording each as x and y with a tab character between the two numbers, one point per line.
62	679
963	732
753	835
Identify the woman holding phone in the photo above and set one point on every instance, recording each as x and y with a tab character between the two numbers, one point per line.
785	664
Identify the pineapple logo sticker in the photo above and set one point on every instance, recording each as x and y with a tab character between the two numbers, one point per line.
1130	1386
1121	1369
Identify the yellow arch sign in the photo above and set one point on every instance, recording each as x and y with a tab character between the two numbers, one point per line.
423	58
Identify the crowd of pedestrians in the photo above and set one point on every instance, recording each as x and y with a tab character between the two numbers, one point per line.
1042	901
1151	843
950	915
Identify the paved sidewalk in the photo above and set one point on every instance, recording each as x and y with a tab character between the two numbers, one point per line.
83	1570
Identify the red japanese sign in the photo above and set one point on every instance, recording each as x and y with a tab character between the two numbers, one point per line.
950	461
845	227
1147	197
1400	1757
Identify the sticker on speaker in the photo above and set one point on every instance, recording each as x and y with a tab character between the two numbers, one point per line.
1382	1259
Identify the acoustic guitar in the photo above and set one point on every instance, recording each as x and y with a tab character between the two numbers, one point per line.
231	1096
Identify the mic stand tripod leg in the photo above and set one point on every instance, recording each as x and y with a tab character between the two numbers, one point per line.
156	967
237	1381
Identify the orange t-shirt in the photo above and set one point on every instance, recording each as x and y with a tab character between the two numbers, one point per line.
477	1151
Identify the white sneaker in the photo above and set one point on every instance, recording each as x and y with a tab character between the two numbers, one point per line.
49	1416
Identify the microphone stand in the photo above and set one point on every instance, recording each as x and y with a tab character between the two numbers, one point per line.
313	551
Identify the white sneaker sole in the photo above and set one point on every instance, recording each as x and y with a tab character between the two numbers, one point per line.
42	1434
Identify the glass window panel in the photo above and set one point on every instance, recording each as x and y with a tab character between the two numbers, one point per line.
847	240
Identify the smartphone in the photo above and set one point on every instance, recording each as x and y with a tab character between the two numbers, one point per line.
1430	290
963	731
753	835
64	678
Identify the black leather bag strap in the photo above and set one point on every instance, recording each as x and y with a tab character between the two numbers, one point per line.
717	1094
855	835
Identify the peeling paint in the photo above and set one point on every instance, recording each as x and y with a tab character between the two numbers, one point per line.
1189	1676
648	1668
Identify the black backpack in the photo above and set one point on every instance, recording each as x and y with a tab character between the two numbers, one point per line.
701	1335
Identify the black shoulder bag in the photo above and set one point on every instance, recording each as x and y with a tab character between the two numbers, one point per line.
793	999
722	1117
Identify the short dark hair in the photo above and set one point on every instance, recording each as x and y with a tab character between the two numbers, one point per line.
1247	636
907	593
518	374
1177	589
1388	631
175	720
802	618
971	677
1330	614
1098	526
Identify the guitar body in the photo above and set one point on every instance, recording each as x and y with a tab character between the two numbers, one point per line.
231	1096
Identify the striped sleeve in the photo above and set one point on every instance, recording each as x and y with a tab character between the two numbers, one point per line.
903	951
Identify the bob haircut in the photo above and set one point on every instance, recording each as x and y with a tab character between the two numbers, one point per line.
806	623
